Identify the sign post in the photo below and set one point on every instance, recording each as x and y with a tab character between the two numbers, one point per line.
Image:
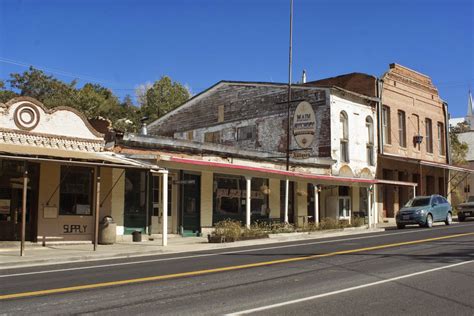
23	210
97	210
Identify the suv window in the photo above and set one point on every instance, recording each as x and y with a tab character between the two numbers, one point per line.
438	200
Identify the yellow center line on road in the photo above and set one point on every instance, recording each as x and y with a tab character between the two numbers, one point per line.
223	269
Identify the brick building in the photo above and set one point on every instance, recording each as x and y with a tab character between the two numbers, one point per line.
412	121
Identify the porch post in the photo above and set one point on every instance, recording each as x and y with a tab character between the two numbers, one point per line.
165	209
287	189
248	201
23	210
97	209
316	205
369	205
414	191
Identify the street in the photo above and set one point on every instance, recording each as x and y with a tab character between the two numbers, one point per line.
411	271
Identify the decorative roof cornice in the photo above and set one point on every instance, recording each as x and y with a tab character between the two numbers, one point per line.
52	110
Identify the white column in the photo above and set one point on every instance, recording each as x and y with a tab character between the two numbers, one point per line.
414	191
248	201
316	205
369	205
287	190
165	208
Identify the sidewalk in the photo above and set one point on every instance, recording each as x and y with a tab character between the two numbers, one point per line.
36	255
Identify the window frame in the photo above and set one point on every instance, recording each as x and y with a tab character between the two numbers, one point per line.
429	135
72	171
441	146
369	124
402	131
344	138
386	126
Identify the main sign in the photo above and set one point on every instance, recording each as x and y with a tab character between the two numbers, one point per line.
304	124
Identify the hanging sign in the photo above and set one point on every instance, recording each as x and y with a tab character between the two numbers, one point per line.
304	124
4	206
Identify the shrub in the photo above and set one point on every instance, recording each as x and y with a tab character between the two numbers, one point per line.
358	221
329	223
229	229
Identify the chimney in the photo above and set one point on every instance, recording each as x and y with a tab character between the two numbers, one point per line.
303	77
144	128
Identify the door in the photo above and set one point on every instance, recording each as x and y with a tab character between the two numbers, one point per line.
135	214
440	209
190	203
11	200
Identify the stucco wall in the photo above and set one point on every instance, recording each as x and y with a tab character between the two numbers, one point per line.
358	136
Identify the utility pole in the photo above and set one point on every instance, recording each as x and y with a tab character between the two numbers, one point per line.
287	182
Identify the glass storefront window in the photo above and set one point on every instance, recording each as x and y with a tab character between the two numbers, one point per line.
75	195
229	198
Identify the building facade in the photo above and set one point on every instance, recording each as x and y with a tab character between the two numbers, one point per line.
226	152
56	179
412	133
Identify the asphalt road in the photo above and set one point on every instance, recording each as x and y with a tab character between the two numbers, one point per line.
412	271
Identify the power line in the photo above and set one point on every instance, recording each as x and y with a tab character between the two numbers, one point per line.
54	71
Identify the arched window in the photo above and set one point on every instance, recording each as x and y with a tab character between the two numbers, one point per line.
344	134
369	124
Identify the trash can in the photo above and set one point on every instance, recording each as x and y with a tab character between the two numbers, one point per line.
137	236
107	231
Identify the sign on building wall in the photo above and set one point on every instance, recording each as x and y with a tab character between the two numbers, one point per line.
304	128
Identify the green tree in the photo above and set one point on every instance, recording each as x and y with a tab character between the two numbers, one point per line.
164	96
458	157
46	89
5	94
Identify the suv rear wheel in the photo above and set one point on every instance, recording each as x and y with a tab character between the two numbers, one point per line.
449	219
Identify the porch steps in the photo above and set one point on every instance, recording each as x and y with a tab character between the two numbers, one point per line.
190	233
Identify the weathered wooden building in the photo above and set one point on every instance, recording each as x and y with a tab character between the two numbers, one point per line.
226	151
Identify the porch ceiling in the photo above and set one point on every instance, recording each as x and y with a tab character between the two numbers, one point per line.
105	159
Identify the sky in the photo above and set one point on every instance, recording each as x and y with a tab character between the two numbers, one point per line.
124	43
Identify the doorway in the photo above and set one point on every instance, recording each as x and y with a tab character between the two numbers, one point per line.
190	204
11	200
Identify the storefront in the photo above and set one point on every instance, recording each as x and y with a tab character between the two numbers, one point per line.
229	196
54	169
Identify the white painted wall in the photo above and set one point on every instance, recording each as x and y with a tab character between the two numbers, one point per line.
59	123
358	136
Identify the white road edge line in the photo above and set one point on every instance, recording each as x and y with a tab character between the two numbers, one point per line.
206	255
263	308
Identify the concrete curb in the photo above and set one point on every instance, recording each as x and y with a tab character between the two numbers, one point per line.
195	247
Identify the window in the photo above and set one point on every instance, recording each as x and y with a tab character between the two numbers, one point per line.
75	197
386	125
402	135
229	194
344	134
212	137
190	135
441	148
220	114
429	136
344	207
158	195
246	132
416	141
369	124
